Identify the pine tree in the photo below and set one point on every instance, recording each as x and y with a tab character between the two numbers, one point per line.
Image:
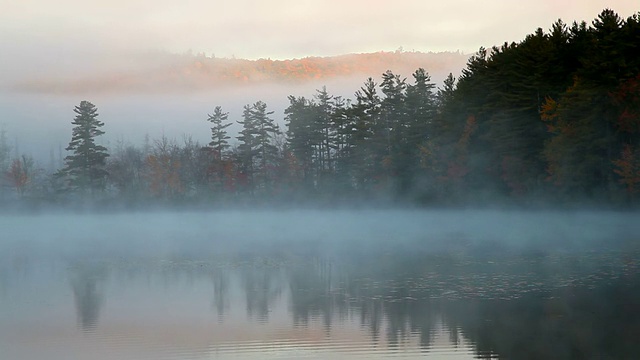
218	145
324	135
266	151
257	152
86	166
419	111
362	149
299	119
247	148
219	135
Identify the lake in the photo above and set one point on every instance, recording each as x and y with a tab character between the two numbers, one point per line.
320	284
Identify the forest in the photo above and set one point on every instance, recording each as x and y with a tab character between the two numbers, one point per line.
551	120
175	73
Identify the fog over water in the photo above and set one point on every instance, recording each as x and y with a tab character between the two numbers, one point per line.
163	232
289	284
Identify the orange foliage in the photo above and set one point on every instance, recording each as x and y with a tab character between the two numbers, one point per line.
229	173
18	176
627	98
163	176
293	167
187	71
628	168
469	128
549	113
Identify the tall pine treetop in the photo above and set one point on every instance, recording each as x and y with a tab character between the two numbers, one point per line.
85	165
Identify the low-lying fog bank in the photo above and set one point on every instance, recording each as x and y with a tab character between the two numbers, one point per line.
157	234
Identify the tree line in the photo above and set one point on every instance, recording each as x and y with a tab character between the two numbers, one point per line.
554	118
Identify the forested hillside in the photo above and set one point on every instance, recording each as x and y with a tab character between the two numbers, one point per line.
197	72
553	119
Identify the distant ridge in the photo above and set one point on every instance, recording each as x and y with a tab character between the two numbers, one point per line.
189	72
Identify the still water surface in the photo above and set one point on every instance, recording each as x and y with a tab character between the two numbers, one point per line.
290	298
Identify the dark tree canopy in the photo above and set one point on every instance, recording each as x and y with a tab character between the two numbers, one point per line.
85	167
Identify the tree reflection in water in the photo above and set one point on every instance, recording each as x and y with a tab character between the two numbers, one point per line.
262	286
86	281
220	302
581	305
514	306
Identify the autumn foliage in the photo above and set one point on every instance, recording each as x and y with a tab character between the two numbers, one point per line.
18	175
163	176
628	168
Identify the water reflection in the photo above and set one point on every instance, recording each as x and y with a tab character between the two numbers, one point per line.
263	287
87	281
220	302
578	305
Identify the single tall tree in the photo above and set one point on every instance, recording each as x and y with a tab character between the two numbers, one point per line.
266	151
86	166
218	145
219	135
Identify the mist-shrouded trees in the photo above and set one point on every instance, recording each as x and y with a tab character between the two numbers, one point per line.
257	152
126	166
299	121
85	167
5	158
21	173
218	147
364	136
555	116
219	137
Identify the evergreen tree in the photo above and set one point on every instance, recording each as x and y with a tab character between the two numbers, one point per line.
364	136
86	166
341	123
325	133
247	148
219	144
266	151
392	110
419	112
299	119
219	135
257	151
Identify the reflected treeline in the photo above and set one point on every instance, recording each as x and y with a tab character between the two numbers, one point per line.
509	306
220	302
598	321
318	291
578	305
263	287
87	282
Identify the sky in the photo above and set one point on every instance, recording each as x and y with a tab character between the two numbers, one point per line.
277	29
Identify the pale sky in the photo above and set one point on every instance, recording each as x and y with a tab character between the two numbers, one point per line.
277	28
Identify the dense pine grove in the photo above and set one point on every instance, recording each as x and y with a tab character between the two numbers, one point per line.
551	120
